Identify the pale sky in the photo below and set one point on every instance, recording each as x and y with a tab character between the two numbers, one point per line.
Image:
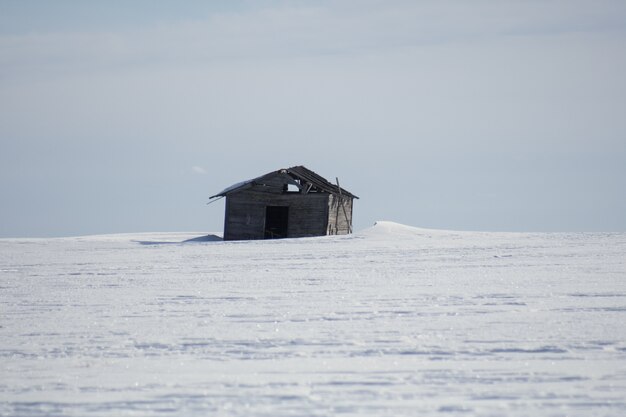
125	116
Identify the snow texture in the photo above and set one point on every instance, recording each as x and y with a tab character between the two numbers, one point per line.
391	321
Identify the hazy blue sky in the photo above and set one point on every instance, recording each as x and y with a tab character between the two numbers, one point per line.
121	116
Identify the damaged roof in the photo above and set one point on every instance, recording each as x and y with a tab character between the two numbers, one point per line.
301	173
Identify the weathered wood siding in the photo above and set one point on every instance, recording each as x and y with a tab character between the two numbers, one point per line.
245	211
339	216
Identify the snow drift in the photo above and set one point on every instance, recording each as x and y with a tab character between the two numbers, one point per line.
393	320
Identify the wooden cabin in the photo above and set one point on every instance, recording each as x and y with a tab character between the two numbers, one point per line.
292	202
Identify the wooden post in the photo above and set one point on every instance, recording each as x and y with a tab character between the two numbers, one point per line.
348	221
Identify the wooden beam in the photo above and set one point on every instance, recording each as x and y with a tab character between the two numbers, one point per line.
348	221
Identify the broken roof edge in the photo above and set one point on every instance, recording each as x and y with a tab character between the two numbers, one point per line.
299	171
309	176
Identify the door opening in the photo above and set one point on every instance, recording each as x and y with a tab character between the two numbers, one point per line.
276	222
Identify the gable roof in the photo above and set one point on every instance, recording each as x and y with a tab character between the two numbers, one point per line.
299	172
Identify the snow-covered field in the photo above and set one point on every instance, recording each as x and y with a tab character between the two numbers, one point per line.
390	321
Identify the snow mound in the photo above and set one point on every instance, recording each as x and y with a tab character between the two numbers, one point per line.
175	239
386	229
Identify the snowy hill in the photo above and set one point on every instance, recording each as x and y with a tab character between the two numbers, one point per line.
393	320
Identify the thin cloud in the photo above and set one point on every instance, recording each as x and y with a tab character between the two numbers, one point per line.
277	32
198	170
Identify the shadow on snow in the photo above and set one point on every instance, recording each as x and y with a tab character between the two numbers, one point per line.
199	239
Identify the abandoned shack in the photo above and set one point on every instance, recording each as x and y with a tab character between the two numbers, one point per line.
292	202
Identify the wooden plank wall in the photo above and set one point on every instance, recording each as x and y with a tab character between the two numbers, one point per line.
245	212
339	222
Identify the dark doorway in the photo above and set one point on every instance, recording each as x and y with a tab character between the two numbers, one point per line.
276	221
